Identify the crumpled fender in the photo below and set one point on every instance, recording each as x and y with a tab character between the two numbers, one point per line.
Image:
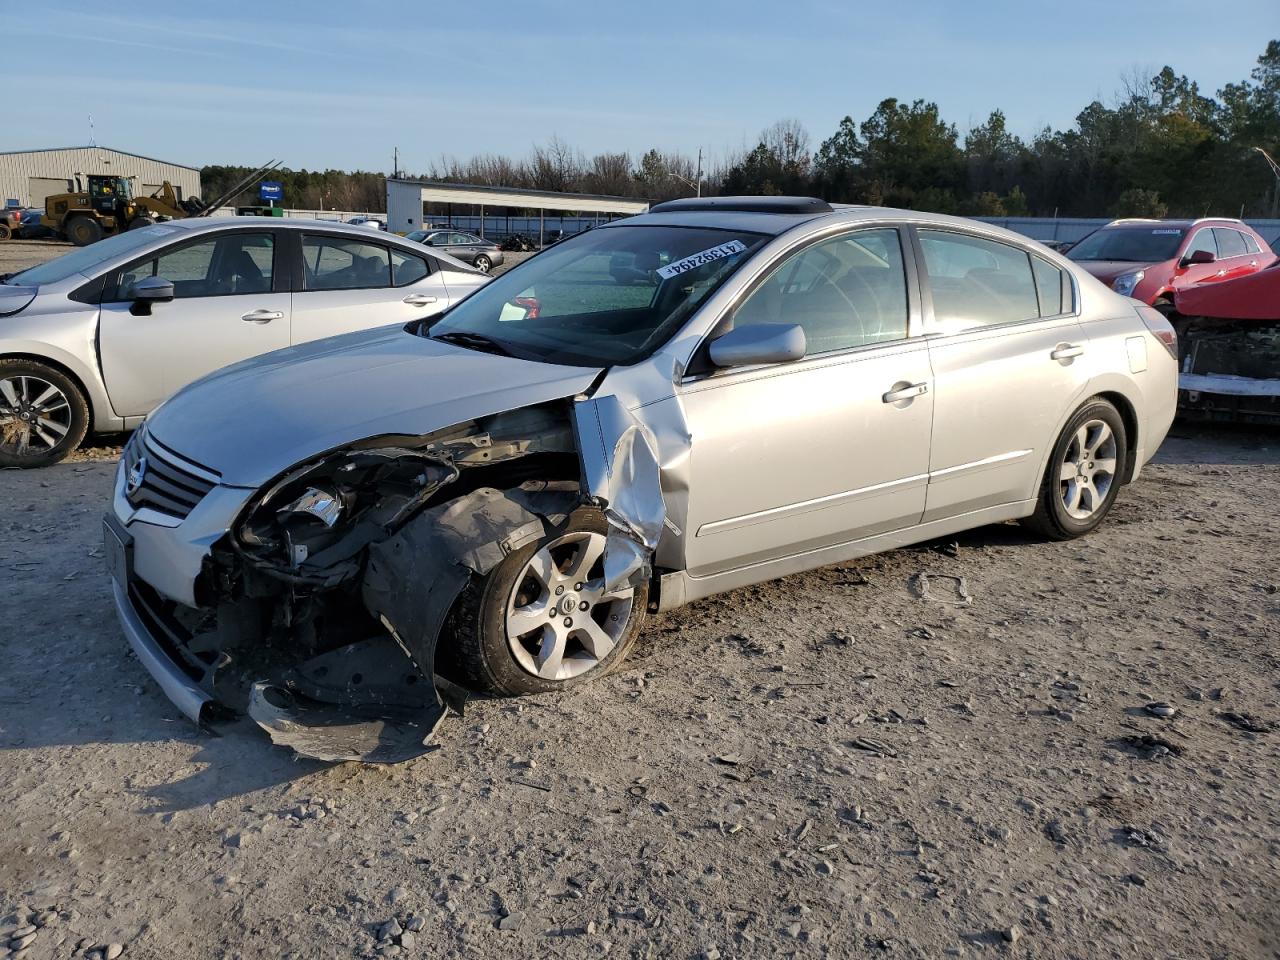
621	474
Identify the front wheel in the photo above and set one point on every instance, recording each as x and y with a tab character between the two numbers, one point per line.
83	231
483	263
1083	477
5	231
43	415
542	620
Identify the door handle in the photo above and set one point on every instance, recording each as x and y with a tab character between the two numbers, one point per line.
262	316
1066	351
905	393
418	300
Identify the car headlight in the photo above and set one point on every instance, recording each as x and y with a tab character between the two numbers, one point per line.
1126	282
311	524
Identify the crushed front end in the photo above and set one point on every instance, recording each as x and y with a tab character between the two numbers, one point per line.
315	604
1230	370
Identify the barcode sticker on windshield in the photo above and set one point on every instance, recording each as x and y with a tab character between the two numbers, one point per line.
695	260
1171	232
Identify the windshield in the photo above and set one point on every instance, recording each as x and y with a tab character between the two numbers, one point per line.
610	296
1133	244
416	235
86	260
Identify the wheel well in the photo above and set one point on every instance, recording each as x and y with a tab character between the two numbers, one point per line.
66	372
1130	418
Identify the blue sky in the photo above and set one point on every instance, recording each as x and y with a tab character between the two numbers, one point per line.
339	84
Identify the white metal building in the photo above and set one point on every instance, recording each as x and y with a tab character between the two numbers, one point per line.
407	200
28	176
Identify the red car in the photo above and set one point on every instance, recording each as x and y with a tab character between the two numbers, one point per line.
1230	348
1151	260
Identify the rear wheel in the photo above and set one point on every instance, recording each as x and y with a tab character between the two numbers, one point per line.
483	263
542	620
83	231
1083	477
5	231
43	415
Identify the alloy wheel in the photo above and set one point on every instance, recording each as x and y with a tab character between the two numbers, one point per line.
35	416
1088	469
560	620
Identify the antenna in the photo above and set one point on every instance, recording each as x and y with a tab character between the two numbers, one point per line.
1275	168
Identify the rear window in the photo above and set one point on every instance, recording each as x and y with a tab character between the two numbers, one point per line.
1147	244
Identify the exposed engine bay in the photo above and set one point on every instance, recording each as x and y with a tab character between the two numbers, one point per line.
1230	370
322	608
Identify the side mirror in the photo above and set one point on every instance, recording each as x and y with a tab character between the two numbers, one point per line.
147	291
1198	256
758	343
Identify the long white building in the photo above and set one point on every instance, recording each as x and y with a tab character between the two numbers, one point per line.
28	176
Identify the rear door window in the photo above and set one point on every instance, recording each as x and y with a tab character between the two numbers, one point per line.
1230	243
338	263
976	282
1250	244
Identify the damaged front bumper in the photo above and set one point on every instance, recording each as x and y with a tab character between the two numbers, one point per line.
1231	371
329	642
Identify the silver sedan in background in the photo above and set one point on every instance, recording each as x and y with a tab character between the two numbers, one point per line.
341	539
482	254
96	339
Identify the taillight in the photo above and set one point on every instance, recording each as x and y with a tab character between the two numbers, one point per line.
1160	328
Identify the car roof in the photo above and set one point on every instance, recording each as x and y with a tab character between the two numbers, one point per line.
765	221
289	223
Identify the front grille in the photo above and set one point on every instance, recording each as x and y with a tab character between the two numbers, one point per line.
168	482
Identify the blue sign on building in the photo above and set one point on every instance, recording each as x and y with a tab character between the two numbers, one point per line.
271	190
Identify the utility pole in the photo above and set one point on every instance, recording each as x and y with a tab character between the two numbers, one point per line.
395	164
699	171
1275	194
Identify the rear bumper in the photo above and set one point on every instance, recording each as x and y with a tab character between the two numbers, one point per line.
177	685
1228	385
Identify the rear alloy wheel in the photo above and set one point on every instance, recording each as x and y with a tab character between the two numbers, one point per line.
483	263
83	231
43	416
5	231
1084	473
542	619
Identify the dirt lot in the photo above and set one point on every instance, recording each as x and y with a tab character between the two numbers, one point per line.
827	765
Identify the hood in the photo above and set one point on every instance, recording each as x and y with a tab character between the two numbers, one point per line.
1108	270
13	299
1254	297
253	420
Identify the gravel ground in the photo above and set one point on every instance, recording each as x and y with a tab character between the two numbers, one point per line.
835	764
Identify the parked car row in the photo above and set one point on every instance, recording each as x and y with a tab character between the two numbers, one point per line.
713	394
96	339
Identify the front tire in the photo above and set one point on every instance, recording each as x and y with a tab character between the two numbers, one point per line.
541	620
5	231
43	414
83	231
1083	476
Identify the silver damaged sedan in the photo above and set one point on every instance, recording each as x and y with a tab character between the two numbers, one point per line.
343	539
